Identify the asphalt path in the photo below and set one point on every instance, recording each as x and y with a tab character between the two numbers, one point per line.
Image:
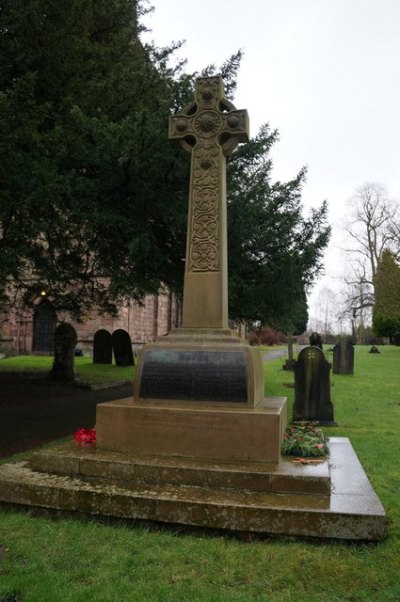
34	411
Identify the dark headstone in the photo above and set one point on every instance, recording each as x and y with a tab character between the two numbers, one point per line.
194	374
122	347
343	357
316	340
65	340
396	339
374	349
312	388
102	347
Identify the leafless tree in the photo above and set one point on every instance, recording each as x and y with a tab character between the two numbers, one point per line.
373	226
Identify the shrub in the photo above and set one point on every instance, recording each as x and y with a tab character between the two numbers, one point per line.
266	336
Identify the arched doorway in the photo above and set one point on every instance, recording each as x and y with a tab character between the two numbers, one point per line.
44	324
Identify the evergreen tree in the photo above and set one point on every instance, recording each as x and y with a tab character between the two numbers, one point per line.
386	312
93	196
275	253
85	163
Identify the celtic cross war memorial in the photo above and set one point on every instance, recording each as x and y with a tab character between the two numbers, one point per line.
209	129
199	444
202	379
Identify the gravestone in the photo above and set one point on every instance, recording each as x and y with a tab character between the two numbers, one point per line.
290	362
316	340
343	357
396	339
313	388
374	349
102	347
65	340
122	348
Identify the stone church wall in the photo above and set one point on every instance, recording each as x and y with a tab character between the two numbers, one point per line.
154	317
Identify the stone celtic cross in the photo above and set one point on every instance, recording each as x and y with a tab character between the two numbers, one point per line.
209	128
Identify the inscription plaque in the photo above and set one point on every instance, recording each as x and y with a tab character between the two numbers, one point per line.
194	375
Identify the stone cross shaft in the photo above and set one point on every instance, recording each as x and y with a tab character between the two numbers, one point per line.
209	128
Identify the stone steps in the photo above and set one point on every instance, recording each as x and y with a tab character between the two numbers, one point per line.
351	511
282	477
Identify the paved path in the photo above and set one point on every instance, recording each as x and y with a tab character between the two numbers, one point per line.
34	411
274	354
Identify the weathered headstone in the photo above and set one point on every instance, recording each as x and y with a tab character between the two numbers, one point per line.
313	388
343	357
102	347
122	348
290	362
374	349
316	340
396	339
65	340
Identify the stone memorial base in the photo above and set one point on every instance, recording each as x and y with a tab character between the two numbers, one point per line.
220	432
198	393
329	500
200	365
200	446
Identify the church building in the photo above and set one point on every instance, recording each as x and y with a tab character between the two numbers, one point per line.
30	330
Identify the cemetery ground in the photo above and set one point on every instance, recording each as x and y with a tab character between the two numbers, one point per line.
71	559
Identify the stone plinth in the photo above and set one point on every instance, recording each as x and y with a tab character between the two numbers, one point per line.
190	430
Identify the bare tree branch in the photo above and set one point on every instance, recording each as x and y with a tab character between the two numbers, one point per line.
373	226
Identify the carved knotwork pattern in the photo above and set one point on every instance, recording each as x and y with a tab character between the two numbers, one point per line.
205	226
204	257
205	199
208	90
204	217
207	123
209	128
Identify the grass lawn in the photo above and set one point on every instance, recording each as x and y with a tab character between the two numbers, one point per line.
87	372
44	560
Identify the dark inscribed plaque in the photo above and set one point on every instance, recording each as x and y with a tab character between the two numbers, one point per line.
194	374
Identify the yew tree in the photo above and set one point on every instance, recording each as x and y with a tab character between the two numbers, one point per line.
275	251
93	195
87	208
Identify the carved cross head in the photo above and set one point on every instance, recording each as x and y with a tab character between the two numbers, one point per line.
210	118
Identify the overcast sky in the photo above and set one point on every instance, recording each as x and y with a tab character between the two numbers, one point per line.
325	73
